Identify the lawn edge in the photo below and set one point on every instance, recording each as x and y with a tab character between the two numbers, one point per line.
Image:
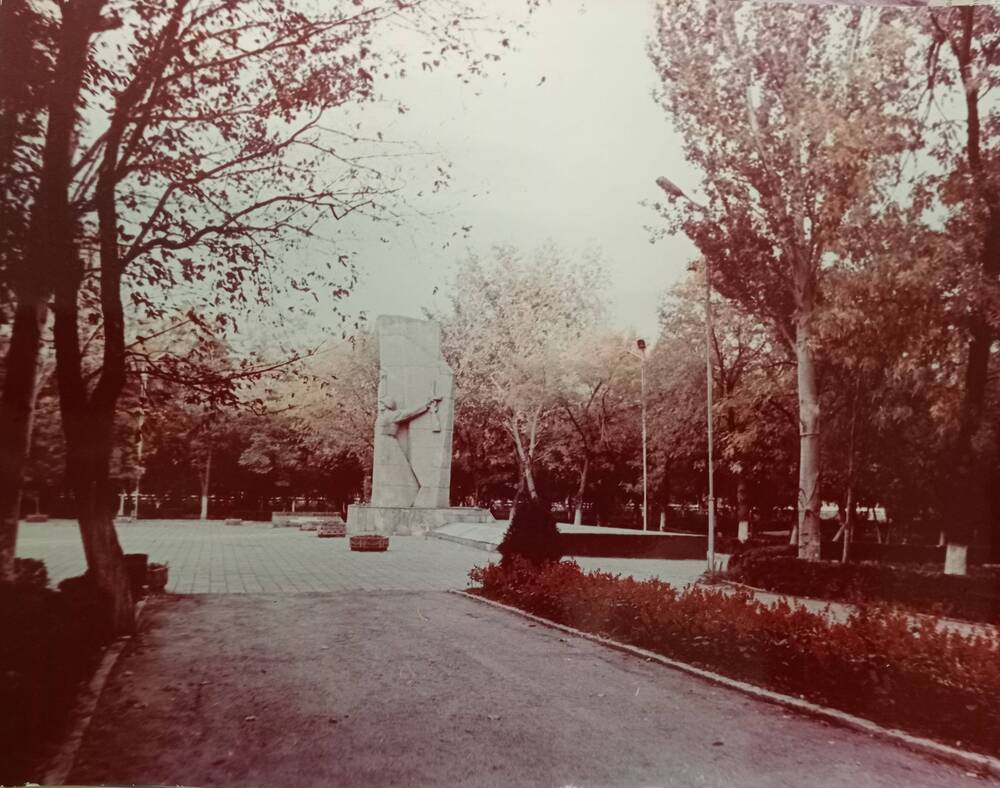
979	628
982	763
56	768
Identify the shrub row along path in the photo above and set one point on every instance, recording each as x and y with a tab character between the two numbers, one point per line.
431	688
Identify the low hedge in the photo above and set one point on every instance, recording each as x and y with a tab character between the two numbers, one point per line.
674	547
877	664
50	641
974	597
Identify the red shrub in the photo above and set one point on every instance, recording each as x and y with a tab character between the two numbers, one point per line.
877	664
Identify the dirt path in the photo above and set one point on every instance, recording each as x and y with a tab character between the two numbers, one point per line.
421	689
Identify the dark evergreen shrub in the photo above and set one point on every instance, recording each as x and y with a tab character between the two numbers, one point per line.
50	641
30	572
532	534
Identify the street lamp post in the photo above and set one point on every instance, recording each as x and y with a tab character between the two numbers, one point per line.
641	344
672	190
708	382
641	355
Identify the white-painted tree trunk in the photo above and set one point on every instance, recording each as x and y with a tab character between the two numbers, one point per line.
663	520
809	458
743	530
956	559
206	479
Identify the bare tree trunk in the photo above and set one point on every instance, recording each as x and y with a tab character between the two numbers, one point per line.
848	525
809	532
969	498
49	246
16	410
88	452
17	400
581	489
524	459
849	520
742	508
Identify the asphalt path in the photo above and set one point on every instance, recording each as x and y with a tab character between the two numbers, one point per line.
431	688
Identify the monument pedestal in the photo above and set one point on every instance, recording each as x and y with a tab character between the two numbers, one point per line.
407	520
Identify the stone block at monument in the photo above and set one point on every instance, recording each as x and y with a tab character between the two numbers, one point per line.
411	469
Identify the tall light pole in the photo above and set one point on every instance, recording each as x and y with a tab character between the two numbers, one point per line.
641	344
708	383
640	353
672	190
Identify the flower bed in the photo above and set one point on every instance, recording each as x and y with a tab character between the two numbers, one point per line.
975	597
370	543
332	530
157	576
876	665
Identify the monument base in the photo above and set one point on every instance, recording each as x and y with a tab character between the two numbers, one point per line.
407	521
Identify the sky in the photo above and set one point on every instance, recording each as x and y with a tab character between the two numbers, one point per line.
562	141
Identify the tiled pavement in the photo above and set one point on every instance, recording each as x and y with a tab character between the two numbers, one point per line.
210	557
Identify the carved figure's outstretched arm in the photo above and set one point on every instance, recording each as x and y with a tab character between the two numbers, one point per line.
409	415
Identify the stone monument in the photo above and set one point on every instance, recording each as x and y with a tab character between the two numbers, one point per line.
411	471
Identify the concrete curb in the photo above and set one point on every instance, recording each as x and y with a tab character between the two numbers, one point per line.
969	760
58	767
488	547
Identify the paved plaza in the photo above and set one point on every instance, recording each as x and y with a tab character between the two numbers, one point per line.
214	558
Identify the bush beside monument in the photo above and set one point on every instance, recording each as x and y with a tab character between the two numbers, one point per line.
532	534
